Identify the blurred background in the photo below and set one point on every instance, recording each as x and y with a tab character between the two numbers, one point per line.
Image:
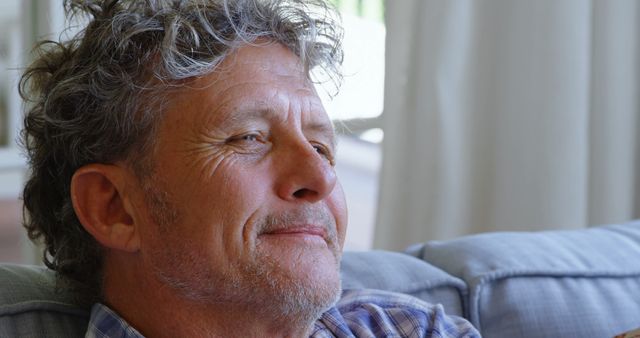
455	116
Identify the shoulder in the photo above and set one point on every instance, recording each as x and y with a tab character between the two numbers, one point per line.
375	313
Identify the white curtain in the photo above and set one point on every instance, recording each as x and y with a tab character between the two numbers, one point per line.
508	115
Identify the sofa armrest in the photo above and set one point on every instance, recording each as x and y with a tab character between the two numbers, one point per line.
30	306
396	272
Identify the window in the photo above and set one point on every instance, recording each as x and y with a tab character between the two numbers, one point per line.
22	22
359	104
357	110
11	163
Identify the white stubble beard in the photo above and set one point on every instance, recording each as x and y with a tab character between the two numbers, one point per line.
261	284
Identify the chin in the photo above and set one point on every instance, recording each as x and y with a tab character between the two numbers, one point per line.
303	285
307	299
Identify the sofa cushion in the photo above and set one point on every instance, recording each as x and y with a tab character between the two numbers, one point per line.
579	283
402	273
30	307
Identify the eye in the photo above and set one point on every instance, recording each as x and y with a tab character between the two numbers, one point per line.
250	142
250	137
320	149
323	151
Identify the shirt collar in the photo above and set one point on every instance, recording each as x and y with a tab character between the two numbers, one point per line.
104	322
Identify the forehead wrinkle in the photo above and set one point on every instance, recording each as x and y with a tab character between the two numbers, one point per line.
324	129
239	116
233	111
275	105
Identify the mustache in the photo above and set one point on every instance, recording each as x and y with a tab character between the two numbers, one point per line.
305	215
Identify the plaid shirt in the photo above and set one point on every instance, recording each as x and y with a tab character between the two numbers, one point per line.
359	313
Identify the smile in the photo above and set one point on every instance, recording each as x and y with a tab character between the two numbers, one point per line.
306	232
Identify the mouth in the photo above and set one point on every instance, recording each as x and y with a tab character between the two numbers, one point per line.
310	226
307	233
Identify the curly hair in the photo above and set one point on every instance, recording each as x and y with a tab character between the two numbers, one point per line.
89	97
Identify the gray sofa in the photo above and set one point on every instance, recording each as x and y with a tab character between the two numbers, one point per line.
580	283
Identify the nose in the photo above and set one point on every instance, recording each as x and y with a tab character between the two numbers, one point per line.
305	175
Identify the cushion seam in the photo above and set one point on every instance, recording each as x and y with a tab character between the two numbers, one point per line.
19	308
430	284
504	274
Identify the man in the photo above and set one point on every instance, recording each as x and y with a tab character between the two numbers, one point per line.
183	174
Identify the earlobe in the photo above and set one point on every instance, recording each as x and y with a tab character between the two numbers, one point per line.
101	203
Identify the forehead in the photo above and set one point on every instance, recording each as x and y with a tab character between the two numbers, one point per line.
266	65
271	59
251	81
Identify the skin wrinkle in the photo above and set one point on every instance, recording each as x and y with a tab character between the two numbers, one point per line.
208	163
248	230
210	152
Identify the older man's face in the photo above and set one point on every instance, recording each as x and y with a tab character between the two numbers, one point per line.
244	204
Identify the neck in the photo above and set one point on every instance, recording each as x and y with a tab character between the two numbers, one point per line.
156	310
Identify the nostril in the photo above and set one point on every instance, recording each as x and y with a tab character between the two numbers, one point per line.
302	193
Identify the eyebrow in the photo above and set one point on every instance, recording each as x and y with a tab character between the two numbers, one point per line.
241	114
326	129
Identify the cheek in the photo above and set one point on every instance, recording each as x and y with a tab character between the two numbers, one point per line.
239	186
214	201
338	205
232	196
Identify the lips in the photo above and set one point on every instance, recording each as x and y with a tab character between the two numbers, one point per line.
310	224
303	230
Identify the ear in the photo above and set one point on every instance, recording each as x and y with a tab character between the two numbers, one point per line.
100	200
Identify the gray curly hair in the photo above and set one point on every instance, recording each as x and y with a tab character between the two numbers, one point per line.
89	96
